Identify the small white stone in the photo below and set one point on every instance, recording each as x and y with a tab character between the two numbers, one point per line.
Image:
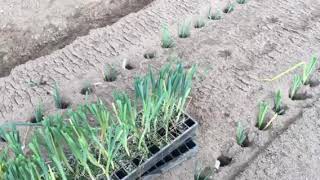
217	164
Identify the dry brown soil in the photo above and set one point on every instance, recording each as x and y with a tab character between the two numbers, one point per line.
33	28
257	40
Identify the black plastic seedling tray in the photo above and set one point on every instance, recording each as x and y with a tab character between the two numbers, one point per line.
179	134
187	150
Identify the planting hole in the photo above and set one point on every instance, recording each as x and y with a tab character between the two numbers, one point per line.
149	54
86	90
189	122
168	158
175	153
121	173
228	9
262	126
246	143
300	97
154	149
129	67
314	83
224	160
64	105
34	119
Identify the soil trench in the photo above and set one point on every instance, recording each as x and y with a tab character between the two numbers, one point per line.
35	28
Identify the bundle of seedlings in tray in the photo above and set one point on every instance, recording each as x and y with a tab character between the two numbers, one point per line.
97	142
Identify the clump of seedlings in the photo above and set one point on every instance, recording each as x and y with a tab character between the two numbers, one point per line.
278	108
166	39
242	1
38	114
229	8
94	141
308	69
58	101
296	85
110	73
217	15
184	29
199	22
241	135
263	110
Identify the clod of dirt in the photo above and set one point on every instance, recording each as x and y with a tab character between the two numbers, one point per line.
150	54
224	160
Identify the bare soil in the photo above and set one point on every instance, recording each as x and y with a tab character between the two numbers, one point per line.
257	40
33	28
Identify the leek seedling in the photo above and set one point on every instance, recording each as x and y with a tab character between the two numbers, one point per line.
263	109
57	97
308	70
126	115
38	114
277	102
166	40
214	15
184	29
241	1
240	134
229	8
110	73
296	84
199	22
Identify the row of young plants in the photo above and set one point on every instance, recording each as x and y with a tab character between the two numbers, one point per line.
184	28
94	141
298	81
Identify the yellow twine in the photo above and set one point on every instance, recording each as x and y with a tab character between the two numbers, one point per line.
285	72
